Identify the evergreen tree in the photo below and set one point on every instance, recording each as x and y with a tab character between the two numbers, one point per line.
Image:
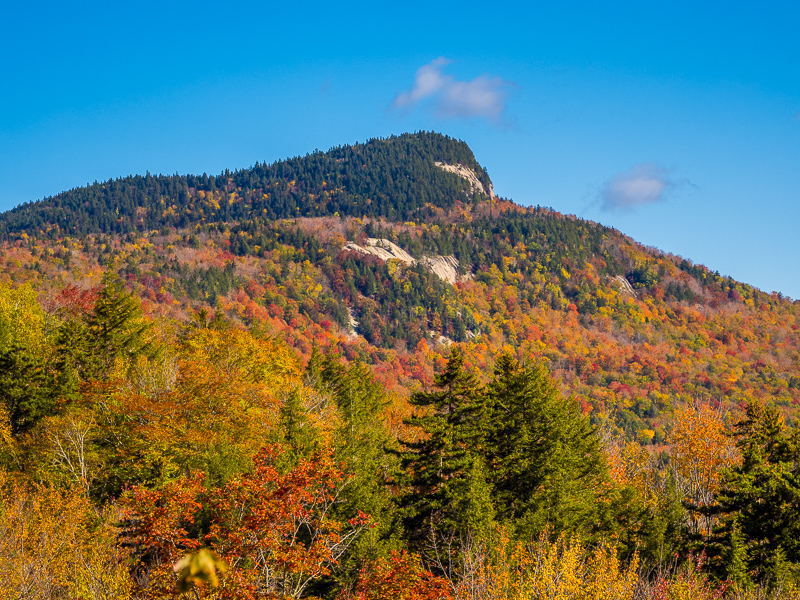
295	433
441	469
759	502
361	443
542	455
27	388
736	559
90	347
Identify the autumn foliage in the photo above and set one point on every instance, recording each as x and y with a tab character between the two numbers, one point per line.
274	530
210	387
399	576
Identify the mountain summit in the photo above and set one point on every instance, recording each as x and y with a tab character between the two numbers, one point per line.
394	250
393	178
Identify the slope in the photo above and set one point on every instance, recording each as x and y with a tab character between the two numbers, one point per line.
393	178
631	331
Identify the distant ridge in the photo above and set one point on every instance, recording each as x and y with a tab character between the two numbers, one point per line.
630	330
393	178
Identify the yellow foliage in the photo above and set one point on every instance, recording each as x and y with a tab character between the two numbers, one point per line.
565	569
701	449
6	439
198	569
21	312
240	354
53	545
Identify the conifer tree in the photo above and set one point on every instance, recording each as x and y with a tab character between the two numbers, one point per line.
759	501
542	455
28	385
361	443
89	348
296	434
736	560
27	388
441	468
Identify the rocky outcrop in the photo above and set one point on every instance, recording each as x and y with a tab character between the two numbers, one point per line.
624	285
469	175
352	332
383	249
445	267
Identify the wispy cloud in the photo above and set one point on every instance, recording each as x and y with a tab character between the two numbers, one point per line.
643	184
484	96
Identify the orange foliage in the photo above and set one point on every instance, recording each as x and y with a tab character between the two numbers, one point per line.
398	577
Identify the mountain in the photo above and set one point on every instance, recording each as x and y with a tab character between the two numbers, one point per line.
394	249
394	178
360	374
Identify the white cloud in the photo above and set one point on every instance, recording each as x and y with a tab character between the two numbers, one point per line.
484	96
644	183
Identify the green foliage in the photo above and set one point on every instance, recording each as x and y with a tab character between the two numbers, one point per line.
516	451
735	559
361	442
295	432
27	388
393	177
542	455
441	471
759	533
41	372
207	284
396	303
89	348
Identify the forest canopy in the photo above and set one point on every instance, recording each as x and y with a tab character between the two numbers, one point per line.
355	375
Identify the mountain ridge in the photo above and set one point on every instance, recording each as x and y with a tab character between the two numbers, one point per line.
629	330
392	177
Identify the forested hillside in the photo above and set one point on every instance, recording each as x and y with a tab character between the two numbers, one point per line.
356	374
392	178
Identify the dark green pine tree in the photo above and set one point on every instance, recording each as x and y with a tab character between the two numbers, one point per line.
28	388
759	502
295	433
736	560
361	440
542	455
446	483
361	443
89	348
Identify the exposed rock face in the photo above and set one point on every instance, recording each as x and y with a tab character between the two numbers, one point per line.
383	249
624	285
352	333
446	267
467	174
441	340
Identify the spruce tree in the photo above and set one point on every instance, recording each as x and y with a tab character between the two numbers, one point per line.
542	456
28	388
441	468
114	329
736	560
361	443
295	433
759	501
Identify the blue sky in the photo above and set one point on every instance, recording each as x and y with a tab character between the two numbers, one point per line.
677	123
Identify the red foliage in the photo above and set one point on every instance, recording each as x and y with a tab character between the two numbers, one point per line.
272	528
398	577
72	302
